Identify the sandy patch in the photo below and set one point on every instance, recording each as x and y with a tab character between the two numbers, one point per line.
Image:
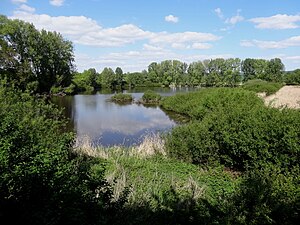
288	96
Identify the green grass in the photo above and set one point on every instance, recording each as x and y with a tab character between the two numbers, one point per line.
259	86
151	177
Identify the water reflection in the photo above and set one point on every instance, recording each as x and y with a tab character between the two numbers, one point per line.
107	123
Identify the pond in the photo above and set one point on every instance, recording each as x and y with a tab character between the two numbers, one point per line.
106	123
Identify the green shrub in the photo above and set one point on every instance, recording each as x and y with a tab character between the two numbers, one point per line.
234	128
122	98
267	196
201	103
42	180
262	86
151	97
293	77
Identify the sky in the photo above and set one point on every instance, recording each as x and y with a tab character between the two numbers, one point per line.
133	33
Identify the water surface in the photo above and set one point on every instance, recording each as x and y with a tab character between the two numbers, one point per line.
107	123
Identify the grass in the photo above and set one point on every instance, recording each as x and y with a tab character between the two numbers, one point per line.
261	86
150	174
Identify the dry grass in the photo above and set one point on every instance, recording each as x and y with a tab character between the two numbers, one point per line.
152	144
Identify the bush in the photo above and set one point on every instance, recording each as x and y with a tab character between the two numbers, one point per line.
122	98
150	97
292	78
267	196
234	128
262	86
201	103
42	180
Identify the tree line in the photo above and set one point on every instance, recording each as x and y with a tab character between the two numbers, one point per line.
209	73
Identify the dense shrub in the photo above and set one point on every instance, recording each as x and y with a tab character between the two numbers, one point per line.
262	86
150	97
122	98
293	77
41	180
234	128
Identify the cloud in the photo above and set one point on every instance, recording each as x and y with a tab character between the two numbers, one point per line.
18	1
171	19
57	2
219	13
279	22
131	61
235	19
27	8
86	31
201	46
289	42
183	37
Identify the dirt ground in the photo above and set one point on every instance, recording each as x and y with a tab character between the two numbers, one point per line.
287	96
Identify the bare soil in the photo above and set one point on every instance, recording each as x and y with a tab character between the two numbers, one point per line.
287	96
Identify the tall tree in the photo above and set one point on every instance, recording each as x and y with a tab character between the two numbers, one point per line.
29	56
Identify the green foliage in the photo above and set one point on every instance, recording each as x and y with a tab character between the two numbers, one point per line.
269	70
151	97
233	127
87	81
34	59
267	196
292	78
122	98
42	180
260	86
167	191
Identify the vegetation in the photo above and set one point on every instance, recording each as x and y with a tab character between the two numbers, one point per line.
261	86
150	97
209	73
235	162
122	98
234	128
42	180
293	77
34	60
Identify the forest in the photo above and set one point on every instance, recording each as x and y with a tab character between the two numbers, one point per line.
235	162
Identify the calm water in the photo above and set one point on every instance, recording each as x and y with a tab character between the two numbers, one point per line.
107	123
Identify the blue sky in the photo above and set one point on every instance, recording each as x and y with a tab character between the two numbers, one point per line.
133	33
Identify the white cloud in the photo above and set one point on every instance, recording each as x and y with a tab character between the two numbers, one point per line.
18	1
152	47
172	19
86	31
289	42
279	21
235	19
184	37
27	8
201	46
219	13
57	2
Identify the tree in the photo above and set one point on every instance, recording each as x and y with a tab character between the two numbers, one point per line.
31	56
107	78
196	72
274	71
119	76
